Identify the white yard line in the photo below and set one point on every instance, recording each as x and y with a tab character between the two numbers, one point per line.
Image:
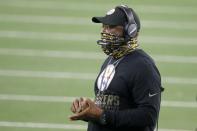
45	19
167	40
179	104
181	25
178	80
169	25
67	99
45	74
50	53
168	9
36	98
83	76
42	125
56	126
173	130
153	9
48	36
88	55
175	59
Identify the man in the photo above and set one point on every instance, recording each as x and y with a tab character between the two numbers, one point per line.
128	87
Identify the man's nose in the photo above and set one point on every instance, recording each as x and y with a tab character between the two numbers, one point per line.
106	29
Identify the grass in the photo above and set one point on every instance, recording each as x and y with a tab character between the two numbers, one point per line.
177	12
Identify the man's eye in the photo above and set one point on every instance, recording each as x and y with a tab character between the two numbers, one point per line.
112	26
109	26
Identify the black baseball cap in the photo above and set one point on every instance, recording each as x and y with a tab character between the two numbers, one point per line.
116	16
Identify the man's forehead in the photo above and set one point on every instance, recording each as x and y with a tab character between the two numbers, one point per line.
114	26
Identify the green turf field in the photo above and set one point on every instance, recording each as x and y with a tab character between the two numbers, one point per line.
48	55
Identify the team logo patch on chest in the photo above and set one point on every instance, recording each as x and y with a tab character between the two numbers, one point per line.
106	77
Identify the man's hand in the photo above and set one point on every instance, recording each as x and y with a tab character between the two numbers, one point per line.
77	106
85	109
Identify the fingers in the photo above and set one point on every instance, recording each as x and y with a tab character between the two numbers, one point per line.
89	101
91	112
79	116
84	104
73	109
81	108
74	117
77	105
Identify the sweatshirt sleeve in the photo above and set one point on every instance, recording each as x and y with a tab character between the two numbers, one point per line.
146	91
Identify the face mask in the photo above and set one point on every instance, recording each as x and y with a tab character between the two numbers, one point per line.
116	46
110	42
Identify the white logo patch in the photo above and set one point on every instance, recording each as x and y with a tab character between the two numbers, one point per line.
106	77
110	11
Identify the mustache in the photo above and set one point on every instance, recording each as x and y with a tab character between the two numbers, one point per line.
110	39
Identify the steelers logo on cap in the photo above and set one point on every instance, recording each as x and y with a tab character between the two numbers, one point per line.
110	11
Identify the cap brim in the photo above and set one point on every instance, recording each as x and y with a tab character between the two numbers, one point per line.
98	19
103	20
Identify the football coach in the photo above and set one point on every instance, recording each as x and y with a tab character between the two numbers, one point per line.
128	87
